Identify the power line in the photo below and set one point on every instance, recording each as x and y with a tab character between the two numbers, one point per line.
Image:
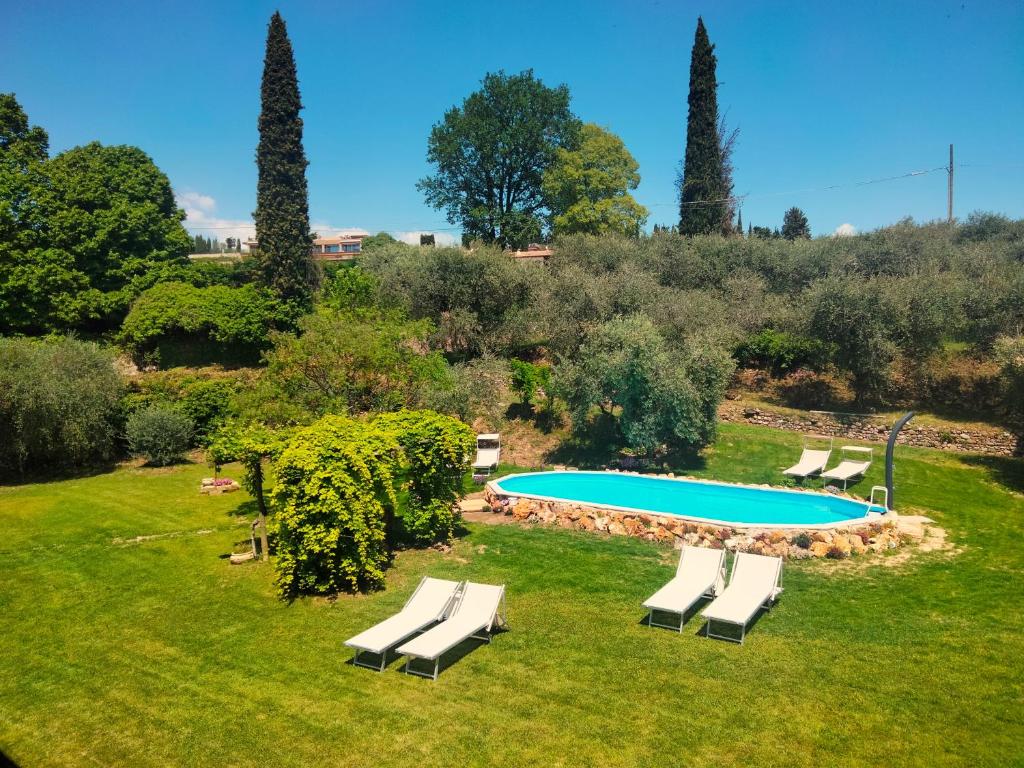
829	188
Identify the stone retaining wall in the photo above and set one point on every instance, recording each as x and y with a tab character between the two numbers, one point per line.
880	536
996	442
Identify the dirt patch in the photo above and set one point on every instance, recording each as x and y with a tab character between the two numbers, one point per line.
119	542
524	445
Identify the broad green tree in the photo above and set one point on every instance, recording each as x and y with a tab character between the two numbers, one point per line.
794	225
81	234
491	153
703	208
587	188
657	396
282	205
379	240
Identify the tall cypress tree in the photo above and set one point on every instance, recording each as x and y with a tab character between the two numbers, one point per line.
702	177
282	205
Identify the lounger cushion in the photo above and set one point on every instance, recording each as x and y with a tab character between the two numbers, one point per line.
425	607
475	612
755	581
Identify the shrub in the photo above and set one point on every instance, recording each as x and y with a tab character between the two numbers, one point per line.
345	362
175	321
207	404
780	352
346	288
335	492
527	378
802	540
837	553
476	392
59	404
160	433
1009	351
437	454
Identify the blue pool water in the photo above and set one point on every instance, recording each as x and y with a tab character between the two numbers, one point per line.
711	501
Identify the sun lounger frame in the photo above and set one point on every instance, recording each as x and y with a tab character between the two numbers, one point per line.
711	591
384	656
766	605
498	619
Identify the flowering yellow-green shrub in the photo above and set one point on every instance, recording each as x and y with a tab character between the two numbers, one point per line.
335	490
437	452
337	485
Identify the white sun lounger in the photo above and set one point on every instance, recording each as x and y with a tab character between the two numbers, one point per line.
812	461
701	573
850	468
488	452
756	582
477	609
427	605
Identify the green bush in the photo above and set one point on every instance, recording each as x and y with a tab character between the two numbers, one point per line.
205	396
59	404
437	451
351	362
207	404
474	391
335	492
160	433
780	352
177	322
348	287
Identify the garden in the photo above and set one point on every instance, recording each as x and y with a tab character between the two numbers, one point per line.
128	638
214	472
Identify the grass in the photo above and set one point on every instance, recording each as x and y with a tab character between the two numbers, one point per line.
157	652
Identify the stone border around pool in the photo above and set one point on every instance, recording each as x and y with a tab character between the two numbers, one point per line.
874	533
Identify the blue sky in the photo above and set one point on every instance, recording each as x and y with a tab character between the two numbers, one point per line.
824	93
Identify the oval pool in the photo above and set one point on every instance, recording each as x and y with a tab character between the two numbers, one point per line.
693	499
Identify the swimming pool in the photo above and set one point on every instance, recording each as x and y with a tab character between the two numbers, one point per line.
700	500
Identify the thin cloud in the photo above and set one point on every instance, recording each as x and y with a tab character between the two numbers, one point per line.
413	238
845	230
201	218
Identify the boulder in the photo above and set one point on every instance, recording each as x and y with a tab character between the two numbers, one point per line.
616	528
586	524
818	549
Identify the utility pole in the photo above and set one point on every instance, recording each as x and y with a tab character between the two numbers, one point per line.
949	200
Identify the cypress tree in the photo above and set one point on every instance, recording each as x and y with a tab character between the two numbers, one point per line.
282	205
702	167
739	222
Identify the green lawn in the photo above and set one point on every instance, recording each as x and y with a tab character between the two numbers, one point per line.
158	652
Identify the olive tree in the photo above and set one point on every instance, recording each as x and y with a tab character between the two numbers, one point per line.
657	396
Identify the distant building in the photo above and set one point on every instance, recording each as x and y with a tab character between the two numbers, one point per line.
341	248
534	253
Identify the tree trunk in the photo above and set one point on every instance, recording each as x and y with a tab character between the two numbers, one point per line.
257	481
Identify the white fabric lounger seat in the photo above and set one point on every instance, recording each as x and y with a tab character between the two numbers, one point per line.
701	573
477	609
756	582
487	458
849	468
811	463
427	605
